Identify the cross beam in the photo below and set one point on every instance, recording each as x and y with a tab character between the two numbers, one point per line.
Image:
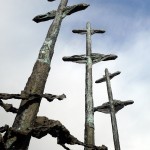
82	59
118	105
110	77
51	0
89	59
68	10
85	31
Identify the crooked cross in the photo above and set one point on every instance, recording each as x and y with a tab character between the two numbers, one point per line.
28	110
112	106
89	59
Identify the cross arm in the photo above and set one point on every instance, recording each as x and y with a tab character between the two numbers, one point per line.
85	31
75	8
96	57
81	59
8	107
25	96
97	31
45	17
118	105
66	11
51	0
80	31
110	76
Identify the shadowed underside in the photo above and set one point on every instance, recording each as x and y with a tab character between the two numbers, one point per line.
118	105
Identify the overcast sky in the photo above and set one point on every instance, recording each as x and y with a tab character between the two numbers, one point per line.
127	26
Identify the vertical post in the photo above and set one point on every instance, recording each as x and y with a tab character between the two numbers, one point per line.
36	83
112	112
89	113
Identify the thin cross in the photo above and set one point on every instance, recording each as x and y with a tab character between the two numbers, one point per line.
113	106
89	59
107	78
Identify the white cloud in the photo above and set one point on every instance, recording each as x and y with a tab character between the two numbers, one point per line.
127	36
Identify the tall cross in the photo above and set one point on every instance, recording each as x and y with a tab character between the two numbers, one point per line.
89	59
36	83
113	106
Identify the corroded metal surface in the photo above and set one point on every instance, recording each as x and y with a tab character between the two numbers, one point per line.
112	112
29	96
110	76
118	105
8	107
66	11
35	85
96	57
89	59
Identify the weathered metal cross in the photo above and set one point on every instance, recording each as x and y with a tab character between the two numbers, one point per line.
28	109
89	59
113	106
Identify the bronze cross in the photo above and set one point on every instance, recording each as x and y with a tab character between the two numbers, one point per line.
113	106
89	59
28	109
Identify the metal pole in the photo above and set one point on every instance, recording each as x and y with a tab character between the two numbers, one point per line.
112	112
89	113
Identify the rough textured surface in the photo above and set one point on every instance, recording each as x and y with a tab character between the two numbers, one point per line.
51	0
28	96
2	147
6	96
28	109
89	137
85	31
8	107
89	59
110	77
25	96
51	97
101	57
118	105
82	59
75	8
112	112
4	128
66	11
35	85
44	126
